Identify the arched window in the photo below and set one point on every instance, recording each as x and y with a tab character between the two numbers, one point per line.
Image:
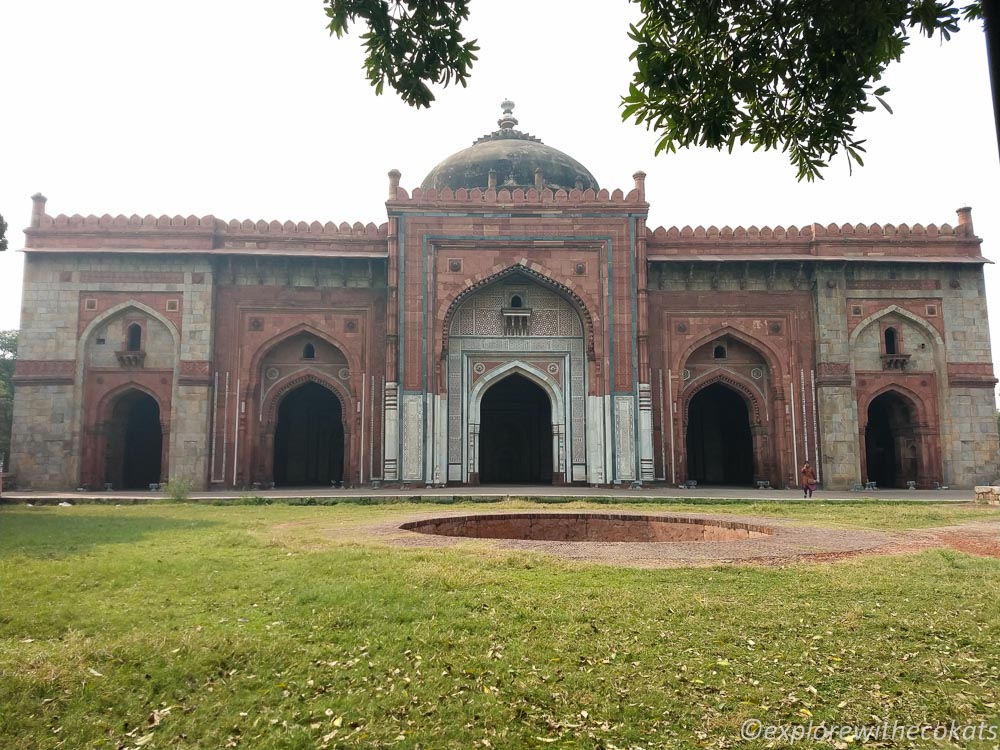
133	341
891	341
720	352
309	352
516	302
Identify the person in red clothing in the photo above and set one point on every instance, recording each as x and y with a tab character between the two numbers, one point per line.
808	477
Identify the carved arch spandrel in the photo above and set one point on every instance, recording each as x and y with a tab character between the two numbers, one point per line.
771	357
925	326
265	348
578	298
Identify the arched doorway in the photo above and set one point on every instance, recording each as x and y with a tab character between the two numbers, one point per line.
515	433
309	438
891	451
135	447
719	440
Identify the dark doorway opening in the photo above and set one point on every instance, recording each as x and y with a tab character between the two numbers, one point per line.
515	433
890	441
309	438
719	442
135	450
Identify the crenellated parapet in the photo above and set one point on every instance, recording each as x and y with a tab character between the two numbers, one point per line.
140	223
833	241
532	197
181	234
811	232
357	229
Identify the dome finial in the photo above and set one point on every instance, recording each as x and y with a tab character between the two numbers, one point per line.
507	121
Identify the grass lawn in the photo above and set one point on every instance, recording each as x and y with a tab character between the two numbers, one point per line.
192	626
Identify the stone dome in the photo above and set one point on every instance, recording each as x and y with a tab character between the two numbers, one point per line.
514	157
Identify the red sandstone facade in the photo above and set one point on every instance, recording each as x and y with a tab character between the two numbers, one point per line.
530	330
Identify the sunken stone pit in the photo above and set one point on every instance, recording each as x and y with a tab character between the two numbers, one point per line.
589	527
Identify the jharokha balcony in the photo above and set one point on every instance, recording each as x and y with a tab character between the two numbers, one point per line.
895	361
131	360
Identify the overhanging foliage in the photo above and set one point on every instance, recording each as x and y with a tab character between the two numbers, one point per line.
775	74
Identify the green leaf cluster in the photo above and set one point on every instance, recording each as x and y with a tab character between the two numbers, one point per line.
409	43
8	353
788	74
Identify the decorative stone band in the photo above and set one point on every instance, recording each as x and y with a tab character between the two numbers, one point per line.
971	375
990	495
895	284
195	372
44	372
833	374
531	196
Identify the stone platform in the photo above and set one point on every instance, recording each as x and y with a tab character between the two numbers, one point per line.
988	494
651	492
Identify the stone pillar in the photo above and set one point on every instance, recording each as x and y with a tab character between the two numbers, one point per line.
42	452
390	451
598	440
473	466
559	453
647	469
190	420
624	437
837	410
411	425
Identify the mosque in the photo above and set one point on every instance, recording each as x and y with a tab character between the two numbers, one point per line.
511	322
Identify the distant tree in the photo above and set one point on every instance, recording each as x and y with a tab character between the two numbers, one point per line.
8	353
3	234
788	74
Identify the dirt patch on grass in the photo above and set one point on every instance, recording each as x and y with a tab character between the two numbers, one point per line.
976	539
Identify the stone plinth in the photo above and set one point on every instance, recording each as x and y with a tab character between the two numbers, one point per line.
987	494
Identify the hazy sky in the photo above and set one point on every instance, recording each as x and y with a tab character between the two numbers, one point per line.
249	110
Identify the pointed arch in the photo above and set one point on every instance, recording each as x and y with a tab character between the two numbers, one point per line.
921	323
112	312
353	363
913	399
261	458
549	448
751	395
534	272
127	456
897	451
765	350
94	403
765	434
530	372
108	400
274	396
